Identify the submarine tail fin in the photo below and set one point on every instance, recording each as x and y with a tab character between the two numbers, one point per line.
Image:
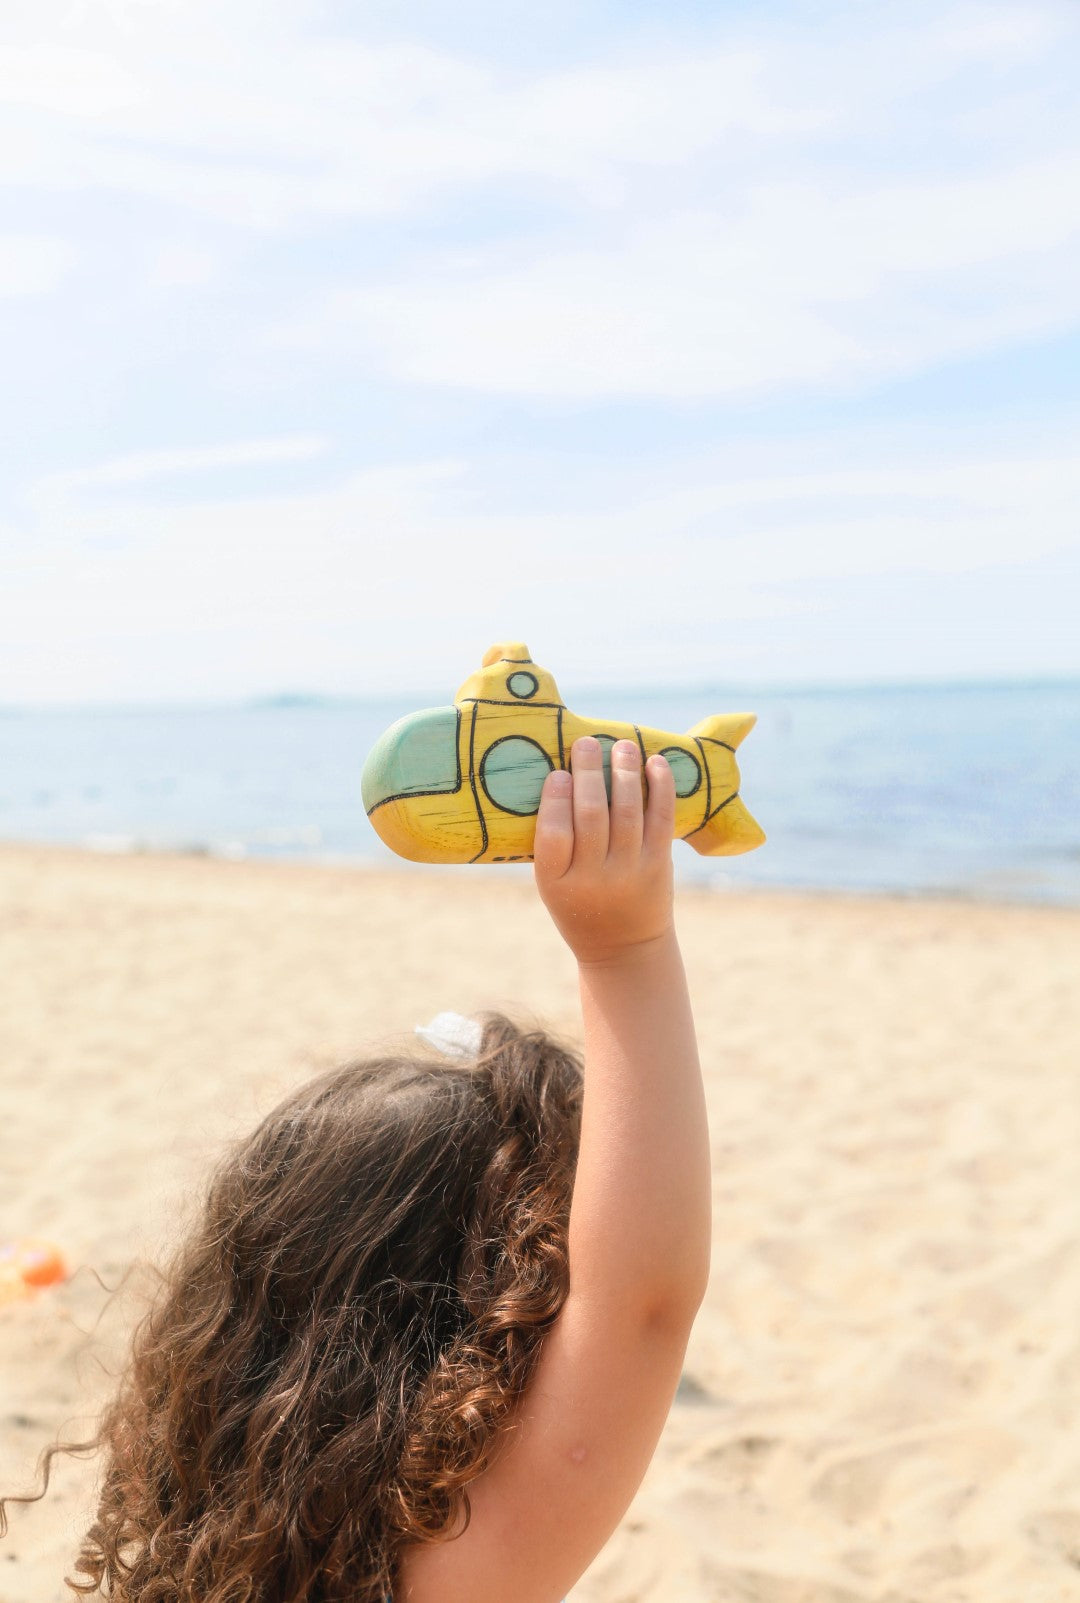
728	728
731	829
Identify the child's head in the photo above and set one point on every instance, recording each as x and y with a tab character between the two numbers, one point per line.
337	1344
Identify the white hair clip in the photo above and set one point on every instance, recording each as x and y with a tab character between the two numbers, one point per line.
452	1035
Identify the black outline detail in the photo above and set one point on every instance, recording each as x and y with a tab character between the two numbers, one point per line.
641	744
528	694
494	701
510	659
708	778
721	806
476	798
712	811
663	753
562	748
405	795
712	815
513	811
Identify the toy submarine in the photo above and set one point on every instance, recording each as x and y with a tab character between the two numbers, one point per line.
462	784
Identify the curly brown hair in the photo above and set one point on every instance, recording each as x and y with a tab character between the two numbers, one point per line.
336	1347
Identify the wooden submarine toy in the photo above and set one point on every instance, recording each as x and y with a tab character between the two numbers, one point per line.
462	784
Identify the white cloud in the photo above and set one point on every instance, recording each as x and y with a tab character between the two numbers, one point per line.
80	85
314	127
999	32
178	263
246	219
142	465
257	116
380	581
33	264
789	287
732	216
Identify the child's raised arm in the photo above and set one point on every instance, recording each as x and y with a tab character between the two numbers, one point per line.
639	1224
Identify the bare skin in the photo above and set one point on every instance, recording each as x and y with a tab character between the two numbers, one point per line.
639	1224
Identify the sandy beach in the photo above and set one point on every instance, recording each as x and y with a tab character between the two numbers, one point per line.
882	1395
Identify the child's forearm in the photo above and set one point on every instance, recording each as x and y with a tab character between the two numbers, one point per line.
639	1222
639	1225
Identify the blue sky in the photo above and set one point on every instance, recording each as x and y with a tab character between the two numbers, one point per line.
734	343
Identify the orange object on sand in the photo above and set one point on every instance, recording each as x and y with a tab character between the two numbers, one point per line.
26	1266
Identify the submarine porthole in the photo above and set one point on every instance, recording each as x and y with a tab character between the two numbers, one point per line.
685	768
523	685
512	772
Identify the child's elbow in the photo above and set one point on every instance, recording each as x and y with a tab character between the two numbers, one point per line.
673	1305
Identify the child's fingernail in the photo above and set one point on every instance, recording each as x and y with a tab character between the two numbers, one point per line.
588	746
626	753
559	782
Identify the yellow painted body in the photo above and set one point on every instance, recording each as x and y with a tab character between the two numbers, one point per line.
511	729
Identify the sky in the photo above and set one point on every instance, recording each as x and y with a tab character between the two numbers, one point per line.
689	343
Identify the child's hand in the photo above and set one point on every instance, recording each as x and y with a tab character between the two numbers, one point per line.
605	874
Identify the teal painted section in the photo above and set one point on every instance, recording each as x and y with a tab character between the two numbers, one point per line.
685	768
418	754
513	773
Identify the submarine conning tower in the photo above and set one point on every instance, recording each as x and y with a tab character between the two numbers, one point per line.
509	677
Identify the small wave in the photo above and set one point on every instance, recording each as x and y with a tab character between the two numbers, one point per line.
116	844
307	835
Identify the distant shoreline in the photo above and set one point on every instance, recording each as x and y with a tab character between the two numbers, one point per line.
303	700
377	868
971	793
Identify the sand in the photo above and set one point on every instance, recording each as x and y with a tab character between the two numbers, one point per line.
882	1394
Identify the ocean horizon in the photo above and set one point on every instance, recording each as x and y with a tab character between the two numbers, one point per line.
963	788
295	696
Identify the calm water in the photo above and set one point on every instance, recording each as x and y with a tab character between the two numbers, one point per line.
974	791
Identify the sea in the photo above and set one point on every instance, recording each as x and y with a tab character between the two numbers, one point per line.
957	790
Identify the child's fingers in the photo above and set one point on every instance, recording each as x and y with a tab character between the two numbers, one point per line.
553	849
625	829
590	802
660	813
